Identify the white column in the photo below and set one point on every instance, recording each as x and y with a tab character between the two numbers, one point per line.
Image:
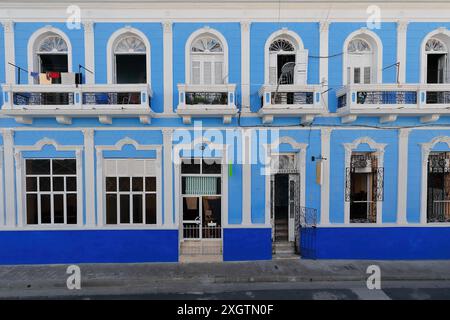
168	189
10	71
168	71
325	135
89	176
402	175
245	66
246	177
402	27
10	196
2	195
89	51
323	63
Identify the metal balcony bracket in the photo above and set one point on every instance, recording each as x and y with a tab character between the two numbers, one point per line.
388	118
64	120
105	119
24	120
267	119
187	119
349	118
227	119
307	119
429	118
145	119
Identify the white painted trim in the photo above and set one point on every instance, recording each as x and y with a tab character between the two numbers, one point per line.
118	146
110	52
402	181
379	153
323	63
187	52
9	50
325	135
89	175
284	32
245	66
374	40
247	176
168	178
423	56
2	194
402	27
89	51
20	178
8	154
273	149
34	40
168	66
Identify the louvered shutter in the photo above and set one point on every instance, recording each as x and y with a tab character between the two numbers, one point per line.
301	67
367	75
195	74
272	68
207	79
218	72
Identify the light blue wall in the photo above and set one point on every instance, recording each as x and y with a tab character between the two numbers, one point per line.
24	30
417	31
232	34
338	33
337	170
2	62
153	32
260	32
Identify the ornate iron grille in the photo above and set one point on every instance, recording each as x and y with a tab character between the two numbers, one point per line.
209	98
342	101
438	193
438	97
43	98
292	97
111	98
386	97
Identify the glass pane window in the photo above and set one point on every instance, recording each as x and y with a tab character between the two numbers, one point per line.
131	191
51	191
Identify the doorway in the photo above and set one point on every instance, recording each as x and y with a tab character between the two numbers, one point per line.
436	68
282	59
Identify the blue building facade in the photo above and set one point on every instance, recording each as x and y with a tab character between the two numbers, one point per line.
127	137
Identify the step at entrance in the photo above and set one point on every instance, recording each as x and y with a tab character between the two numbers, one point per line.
281	230
284	250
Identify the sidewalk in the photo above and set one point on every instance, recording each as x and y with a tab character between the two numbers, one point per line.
50	280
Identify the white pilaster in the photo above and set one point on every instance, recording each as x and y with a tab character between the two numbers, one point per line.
2	195
168	189
10	71
402	175
89	51
168	71
89	178
325	135
8	152
246	177
245	66
323	63
402	27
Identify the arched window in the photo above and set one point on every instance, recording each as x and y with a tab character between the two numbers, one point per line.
437	61
51	55
286	60
207	60
130	59
360	62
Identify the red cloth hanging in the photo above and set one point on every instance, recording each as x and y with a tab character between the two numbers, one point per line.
53	75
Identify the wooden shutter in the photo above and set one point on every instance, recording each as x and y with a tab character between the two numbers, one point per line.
218	72
273	68
207	77
301	67
195	73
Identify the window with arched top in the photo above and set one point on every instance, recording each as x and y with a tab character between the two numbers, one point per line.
51	55
130	59
286	60
437	60
360	62
207	61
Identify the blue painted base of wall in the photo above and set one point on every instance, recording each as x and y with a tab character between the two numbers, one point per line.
396	243
240	244
88	246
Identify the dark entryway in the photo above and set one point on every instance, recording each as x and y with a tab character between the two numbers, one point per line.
281	207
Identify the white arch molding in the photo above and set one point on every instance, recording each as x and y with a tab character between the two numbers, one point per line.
441	34
110	67
187	51
283	33
34	41
379	153
377	51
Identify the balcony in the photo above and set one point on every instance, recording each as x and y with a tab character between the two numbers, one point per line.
206	101
302	101
64	102
388	101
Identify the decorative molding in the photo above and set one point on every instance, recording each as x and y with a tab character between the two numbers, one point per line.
88	26
402	25
167	26
324	25
245	25
128	141
402	181
8	26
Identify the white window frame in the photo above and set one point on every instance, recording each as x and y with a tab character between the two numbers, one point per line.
51	192
111	56
203	58
443	35
362	61
377	55
189	55
21	183
101	187
34	42
427	148
378	151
